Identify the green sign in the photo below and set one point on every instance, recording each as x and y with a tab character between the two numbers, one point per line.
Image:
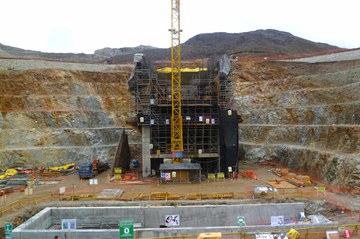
8	227
126	230
241	221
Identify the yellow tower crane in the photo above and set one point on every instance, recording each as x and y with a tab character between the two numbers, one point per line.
176	118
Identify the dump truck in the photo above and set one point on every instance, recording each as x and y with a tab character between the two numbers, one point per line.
91	169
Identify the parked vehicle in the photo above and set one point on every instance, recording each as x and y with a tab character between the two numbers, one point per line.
18	184
91	169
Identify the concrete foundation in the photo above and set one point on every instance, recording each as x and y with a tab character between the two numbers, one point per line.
103	222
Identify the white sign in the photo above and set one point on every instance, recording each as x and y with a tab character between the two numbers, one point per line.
167	176
264	236
93	181
172	220
62	190
277	220
68	224
334	233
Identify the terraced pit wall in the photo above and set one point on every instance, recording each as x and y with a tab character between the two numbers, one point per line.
52	117
305	116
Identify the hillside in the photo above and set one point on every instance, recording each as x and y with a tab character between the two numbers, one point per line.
261	42
18	52
111	52
256	43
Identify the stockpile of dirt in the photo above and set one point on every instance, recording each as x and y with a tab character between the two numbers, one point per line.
50	117
303	115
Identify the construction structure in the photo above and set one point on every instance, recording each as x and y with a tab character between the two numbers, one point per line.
187	124
209	125
150	221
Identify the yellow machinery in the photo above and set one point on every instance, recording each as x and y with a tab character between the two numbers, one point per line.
176	118
8	173
63	167
293	234
210	235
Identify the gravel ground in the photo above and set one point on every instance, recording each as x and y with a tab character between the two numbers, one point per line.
342	56
21	64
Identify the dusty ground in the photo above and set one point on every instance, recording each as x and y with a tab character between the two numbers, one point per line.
341	208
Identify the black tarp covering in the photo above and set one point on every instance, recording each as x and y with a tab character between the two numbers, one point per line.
122	155
229	140
139	63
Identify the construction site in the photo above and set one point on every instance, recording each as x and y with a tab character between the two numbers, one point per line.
228	146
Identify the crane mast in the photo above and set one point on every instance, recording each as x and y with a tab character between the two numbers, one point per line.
176	117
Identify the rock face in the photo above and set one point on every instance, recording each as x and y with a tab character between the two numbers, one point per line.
111	52
52	117
305	116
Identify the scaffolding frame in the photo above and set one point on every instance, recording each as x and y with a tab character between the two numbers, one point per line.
204	94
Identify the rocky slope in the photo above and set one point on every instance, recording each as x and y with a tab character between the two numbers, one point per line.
255	43
51	117
305	116
72	57
111	52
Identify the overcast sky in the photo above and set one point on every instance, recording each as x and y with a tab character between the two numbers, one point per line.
86	25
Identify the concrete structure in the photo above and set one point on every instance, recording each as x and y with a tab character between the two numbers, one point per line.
103	222
146	164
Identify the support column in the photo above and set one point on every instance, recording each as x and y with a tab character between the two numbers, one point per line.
146	163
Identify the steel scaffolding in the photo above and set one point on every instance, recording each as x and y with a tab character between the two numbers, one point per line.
205	92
